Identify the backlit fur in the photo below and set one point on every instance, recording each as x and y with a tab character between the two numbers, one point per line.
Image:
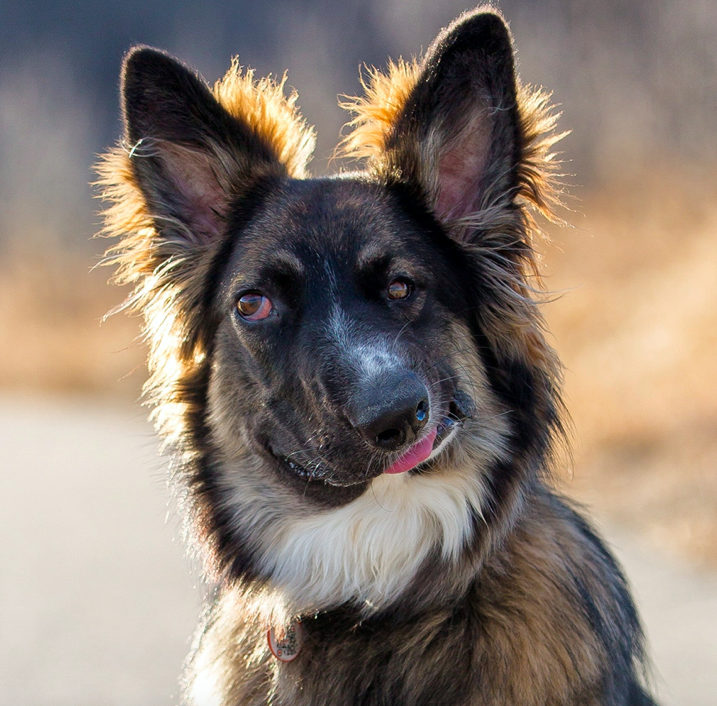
465	580
167	294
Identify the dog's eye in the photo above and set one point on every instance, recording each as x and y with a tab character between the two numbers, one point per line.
254	306
399	289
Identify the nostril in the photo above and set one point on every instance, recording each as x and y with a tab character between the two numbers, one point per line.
422	411
391	410
389	437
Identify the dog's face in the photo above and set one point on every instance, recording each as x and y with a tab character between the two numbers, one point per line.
318	342
340	355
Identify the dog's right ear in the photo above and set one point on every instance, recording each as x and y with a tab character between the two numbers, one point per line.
189	155
189	152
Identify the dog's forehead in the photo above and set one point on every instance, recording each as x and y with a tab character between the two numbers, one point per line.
341	220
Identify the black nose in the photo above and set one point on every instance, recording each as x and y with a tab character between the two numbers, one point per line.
391	410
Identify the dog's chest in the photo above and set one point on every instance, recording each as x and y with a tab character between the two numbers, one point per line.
371	550
423	662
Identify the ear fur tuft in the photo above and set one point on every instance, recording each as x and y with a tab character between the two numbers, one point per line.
378	110
270	114
385	96
539	169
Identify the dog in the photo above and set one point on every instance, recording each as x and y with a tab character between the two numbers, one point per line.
352	376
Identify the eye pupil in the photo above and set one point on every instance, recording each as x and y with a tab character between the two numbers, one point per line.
399	289
249	304
254	306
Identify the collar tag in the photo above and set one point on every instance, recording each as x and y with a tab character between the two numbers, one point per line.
288	646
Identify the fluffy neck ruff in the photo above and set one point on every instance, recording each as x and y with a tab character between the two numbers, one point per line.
369	551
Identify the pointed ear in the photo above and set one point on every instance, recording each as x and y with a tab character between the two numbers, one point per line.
450	124
463	117
189	154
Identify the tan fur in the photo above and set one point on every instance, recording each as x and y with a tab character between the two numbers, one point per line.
549	646
270	114
224	676
385	95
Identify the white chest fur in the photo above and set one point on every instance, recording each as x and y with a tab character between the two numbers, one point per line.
370	549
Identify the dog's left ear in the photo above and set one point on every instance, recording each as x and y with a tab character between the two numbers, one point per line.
450	124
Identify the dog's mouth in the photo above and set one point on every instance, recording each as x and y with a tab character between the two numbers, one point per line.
433	443
315	470
420	455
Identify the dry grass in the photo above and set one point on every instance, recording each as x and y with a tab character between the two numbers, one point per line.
637	331
51	335
636	327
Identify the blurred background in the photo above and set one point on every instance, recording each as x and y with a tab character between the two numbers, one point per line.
96	602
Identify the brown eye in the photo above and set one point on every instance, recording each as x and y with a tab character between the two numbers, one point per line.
399	289
253	306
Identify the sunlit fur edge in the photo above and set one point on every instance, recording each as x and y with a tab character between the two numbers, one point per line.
165	278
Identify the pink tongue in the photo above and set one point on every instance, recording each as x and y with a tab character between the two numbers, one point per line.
415	455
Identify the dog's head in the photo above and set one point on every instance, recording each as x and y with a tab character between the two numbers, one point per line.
309	336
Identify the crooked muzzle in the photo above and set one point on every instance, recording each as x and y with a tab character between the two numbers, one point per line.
390	410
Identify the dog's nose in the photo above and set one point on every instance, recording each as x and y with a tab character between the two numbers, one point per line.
391	411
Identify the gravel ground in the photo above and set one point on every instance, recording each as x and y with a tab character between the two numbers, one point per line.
98	603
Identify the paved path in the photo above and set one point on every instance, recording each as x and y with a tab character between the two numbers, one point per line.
96	601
